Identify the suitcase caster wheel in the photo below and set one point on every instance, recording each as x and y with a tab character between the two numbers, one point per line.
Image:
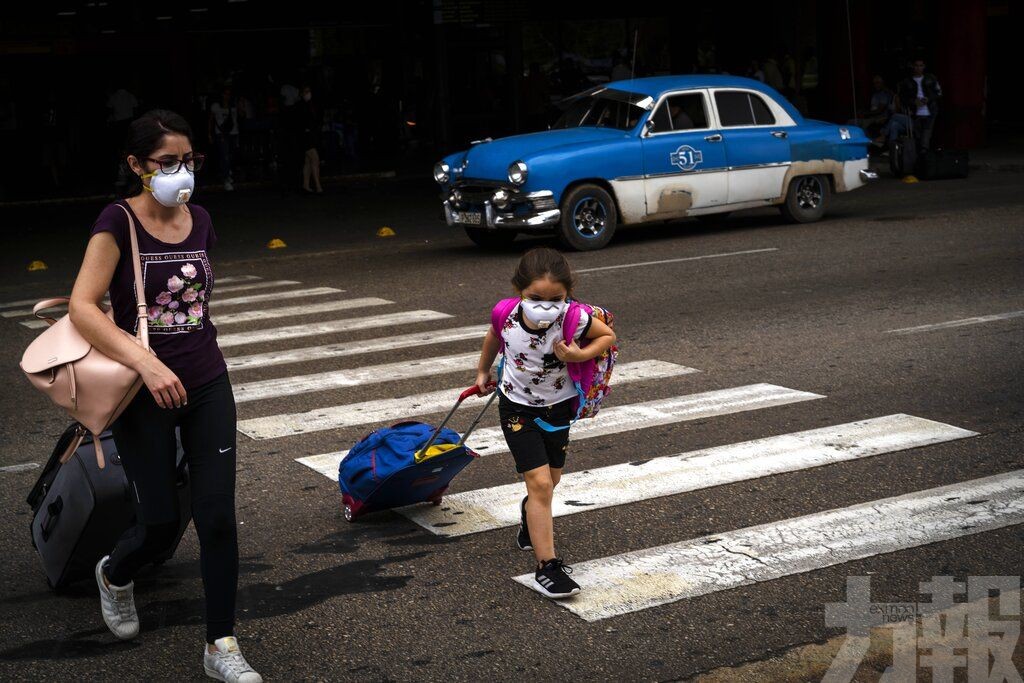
348	513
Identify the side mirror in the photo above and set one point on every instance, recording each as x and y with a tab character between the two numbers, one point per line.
649	126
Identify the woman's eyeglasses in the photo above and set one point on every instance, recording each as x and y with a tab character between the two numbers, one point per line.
171	165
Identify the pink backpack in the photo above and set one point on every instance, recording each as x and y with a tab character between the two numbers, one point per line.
591	377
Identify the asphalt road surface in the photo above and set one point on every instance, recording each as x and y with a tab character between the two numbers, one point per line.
874	359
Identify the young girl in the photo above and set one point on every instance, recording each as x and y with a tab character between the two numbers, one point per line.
535	403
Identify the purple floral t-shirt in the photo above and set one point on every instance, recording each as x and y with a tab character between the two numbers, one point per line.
178	284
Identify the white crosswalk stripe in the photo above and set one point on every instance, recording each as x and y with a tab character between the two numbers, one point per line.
385	410
237	278
355	348
655	576
218	289
626	418
21	313
297	310
481	510
216	304
371	374
315	329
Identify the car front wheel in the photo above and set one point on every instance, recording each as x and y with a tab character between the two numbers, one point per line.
807	199
589	218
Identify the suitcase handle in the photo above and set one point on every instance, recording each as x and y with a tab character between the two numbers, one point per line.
471	391
53	511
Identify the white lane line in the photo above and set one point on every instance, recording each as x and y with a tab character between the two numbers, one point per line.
977	320
354	348
218	303
471	512
236	278
315	329
392	410
676	260
627	418
371	374
218	290
222	280
639	580
21	467
275	296
297	310
23	302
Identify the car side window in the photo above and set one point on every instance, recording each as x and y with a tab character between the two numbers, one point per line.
734	108
742	109
662	121
762	114
680	113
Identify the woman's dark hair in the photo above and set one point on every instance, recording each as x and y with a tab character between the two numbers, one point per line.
145	135
543	262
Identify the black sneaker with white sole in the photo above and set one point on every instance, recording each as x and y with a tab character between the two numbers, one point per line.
553	581
523	539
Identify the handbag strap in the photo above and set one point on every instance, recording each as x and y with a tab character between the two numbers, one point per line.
141	311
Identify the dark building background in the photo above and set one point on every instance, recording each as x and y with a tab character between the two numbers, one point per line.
401	82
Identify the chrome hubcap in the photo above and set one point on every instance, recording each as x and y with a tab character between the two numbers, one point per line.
808	193
589	217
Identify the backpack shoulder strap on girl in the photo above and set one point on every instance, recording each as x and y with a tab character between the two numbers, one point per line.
499	314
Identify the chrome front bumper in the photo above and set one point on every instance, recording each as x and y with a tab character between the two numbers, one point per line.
868	175
492	217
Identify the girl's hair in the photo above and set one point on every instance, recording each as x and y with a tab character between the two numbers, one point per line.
540	263
145	135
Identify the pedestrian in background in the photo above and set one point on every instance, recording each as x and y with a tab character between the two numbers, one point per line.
310	122
223	135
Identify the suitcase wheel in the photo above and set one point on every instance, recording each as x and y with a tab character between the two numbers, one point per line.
348	513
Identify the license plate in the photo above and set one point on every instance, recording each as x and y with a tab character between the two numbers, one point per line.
468	217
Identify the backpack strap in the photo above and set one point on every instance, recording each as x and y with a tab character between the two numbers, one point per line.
499	314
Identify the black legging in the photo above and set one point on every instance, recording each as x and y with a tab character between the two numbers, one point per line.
144	436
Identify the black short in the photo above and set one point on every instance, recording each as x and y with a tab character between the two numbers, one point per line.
532	446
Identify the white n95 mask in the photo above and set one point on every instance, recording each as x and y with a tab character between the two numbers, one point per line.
172	189
543	313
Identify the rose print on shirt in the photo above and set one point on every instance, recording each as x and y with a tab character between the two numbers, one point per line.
180	304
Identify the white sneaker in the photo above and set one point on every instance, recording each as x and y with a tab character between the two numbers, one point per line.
117	603
228	664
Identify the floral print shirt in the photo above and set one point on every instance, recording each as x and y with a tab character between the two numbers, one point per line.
178	284
532	374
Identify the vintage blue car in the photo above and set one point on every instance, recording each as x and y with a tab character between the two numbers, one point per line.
651	149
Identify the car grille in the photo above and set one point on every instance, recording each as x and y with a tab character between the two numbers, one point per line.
544	203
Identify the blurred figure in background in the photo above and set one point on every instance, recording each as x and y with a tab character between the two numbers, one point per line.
310	121
223	135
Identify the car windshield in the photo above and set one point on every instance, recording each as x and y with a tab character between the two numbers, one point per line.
604	108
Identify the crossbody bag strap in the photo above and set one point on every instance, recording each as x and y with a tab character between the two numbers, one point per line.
141	311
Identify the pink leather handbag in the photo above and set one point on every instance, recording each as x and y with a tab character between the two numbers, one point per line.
93	388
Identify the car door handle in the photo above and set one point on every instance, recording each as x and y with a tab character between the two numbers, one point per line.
780	134
713	138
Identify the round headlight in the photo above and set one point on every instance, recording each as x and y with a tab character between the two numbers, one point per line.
501	198
441	172
517	172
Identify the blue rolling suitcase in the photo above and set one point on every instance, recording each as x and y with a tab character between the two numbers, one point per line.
410	462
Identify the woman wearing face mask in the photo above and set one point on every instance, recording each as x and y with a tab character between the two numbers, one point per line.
186	381
310	123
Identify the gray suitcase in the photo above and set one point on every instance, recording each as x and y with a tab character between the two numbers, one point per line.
80	510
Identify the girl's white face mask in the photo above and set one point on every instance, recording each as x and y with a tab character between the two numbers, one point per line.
171	190
543	313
